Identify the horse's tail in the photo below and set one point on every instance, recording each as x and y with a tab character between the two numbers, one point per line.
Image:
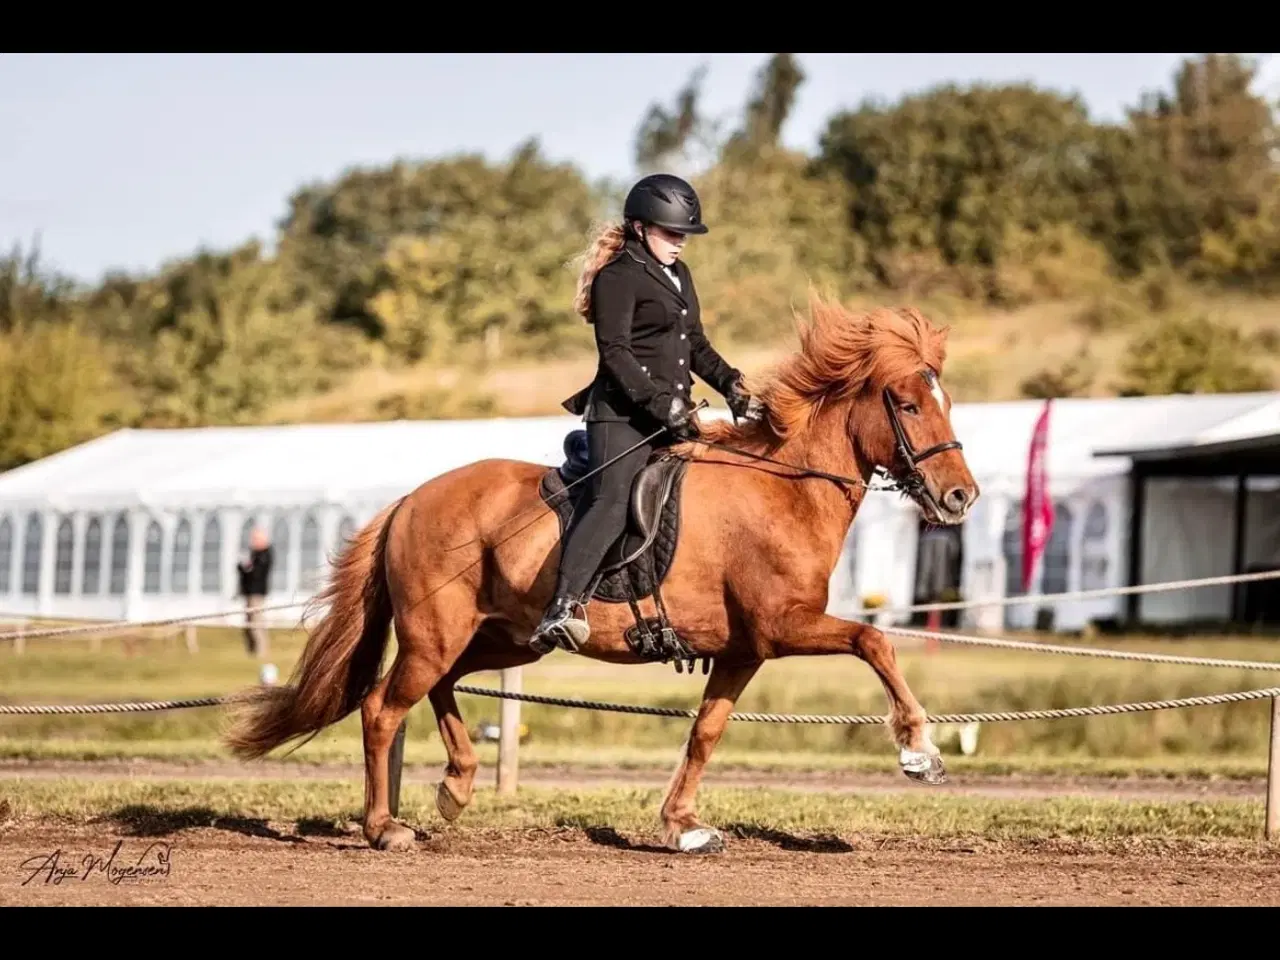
342	659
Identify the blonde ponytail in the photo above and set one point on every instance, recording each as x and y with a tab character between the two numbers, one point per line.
606	245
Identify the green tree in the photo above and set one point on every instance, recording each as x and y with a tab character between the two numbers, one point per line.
1190	354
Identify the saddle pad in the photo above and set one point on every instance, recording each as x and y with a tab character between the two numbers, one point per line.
635	578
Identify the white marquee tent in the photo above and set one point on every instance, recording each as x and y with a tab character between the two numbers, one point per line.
148	524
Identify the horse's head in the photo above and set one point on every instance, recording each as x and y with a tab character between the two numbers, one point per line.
865	388
911	438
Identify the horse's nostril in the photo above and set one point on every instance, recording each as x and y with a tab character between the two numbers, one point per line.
955	498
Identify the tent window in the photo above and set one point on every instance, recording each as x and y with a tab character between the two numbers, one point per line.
1093	548
180	565
346	529
1012	548
211	557
279	554
31	554
1057	553
6	553
62	561
89	578
311	557
246	531
120	555
152	558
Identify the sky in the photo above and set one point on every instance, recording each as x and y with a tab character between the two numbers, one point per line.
124	161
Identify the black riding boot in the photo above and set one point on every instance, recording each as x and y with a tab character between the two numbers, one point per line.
563	625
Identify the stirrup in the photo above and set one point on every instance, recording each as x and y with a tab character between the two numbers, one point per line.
568	632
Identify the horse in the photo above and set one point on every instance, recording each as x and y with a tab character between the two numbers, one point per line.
731	542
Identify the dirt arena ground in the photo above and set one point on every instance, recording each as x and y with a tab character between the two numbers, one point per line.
286	863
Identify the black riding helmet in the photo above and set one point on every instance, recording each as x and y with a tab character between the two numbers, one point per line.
667	201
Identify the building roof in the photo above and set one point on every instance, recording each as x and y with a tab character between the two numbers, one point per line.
309	463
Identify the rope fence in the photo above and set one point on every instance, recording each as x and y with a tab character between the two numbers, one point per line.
1061	713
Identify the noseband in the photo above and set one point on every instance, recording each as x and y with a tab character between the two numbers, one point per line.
913	483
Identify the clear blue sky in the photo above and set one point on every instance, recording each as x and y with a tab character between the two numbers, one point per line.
127	160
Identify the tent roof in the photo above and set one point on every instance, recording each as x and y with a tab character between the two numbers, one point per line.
308	463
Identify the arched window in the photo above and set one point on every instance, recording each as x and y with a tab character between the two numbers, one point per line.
246	531
119	554
346	530
279	554
1093	548
31	549
152	558
1057	553
90	575
312	559
180	564
1012	549
6	553
211	556
62	564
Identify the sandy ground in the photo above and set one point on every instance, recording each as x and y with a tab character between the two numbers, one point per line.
254	863
568	777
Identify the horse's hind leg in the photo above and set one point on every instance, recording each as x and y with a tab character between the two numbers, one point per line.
430	640
490	650
681	829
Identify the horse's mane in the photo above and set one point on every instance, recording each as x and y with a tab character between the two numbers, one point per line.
842	353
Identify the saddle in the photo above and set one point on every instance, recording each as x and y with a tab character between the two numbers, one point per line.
637	563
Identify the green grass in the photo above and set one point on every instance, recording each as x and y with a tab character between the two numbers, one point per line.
173	806
956	679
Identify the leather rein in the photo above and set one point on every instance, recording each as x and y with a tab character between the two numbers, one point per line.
912	483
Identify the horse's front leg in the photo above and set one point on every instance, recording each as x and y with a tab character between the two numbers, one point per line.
817	634
681	828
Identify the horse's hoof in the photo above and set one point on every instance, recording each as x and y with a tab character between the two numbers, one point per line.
395	838
446	803
700	840
923	767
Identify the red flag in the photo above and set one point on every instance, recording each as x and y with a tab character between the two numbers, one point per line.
1037	507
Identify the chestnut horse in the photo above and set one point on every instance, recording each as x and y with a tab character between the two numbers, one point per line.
765	509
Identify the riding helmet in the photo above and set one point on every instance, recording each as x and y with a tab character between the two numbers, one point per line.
667	201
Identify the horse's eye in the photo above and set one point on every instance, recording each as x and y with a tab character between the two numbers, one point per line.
910	408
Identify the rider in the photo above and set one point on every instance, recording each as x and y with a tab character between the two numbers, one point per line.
640	298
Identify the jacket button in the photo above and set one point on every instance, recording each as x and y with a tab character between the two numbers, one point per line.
681	363
682	336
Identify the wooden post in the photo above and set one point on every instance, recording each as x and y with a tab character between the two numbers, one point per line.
20	639
193	644
1273	775
395	766
509	735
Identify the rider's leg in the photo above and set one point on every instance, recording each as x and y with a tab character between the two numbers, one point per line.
599	520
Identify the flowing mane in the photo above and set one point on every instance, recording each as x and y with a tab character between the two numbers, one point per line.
841	354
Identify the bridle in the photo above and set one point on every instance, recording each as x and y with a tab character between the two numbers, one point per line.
913	483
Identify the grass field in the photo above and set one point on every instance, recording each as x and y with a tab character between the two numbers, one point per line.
1225	740
197	804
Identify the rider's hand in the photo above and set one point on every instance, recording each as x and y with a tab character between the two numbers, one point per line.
742	405
679	419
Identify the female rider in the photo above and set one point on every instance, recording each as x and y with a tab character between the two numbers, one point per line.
640	298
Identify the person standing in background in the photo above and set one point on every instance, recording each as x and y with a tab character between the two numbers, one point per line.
255	575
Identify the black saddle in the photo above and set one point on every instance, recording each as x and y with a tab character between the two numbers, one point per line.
637	563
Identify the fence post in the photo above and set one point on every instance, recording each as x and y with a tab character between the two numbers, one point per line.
395	766
1273	775
509	733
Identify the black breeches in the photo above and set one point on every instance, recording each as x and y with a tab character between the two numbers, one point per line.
601	515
